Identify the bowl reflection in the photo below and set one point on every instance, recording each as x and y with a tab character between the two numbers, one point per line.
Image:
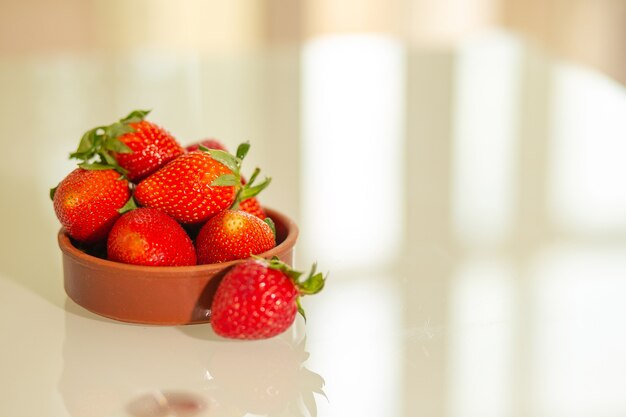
118	369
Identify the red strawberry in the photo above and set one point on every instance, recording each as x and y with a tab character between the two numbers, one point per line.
210	143
258	299
184	188
251	205
197	185
86	202
152	147
148	236
231	235
133	146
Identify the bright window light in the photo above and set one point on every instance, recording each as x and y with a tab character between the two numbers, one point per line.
482	319
363	372
589	152
352	130
579	366
487	84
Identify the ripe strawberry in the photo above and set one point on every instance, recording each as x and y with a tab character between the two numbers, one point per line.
197	185
185	188
210	143
250	205
146	236
133	146
231	235
87	202
258	299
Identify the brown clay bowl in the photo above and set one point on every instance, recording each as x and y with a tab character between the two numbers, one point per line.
163	295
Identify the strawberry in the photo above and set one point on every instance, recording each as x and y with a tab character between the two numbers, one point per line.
258	299
185	188
133	146
250	205
197	185
87	202
146	236
210	143
231	235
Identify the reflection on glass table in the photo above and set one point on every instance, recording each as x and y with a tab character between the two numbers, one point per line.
116	369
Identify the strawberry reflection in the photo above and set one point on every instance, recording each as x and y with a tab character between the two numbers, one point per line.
263	378
122	370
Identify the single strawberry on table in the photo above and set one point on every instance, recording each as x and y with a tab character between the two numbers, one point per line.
231	235
197	185
87	202
146	236
259	298
133	146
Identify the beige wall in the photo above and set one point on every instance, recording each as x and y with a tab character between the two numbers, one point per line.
589	31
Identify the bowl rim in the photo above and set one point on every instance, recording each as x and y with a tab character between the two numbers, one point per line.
78	255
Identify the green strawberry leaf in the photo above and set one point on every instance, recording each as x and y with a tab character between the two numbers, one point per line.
300	309
135	116
255	174
114	131
247	191
279	265
95	166
242	150
313	284
226	180
52	192
87	146
130	205
86	142
272	226
107	159
98	142
116	145
230	161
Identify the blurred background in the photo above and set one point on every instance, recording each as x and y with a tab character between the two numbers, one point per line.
458	166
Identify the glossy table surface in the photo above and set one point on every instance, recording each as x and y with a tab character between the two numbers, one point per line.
469	203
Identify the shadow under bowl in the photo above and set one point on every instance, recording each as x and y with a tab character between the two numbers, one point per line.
161	295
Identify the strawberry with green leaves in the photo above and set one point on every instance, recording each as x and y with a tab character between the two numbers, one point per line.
259	299
197	185
146	236
233	234
133	146
251	204
88	201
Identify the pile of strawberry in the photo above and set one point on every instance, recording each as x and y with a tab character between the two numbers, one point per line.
150	201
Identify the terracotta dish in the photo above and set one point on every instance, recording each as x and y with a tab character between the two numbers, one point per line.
154	295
